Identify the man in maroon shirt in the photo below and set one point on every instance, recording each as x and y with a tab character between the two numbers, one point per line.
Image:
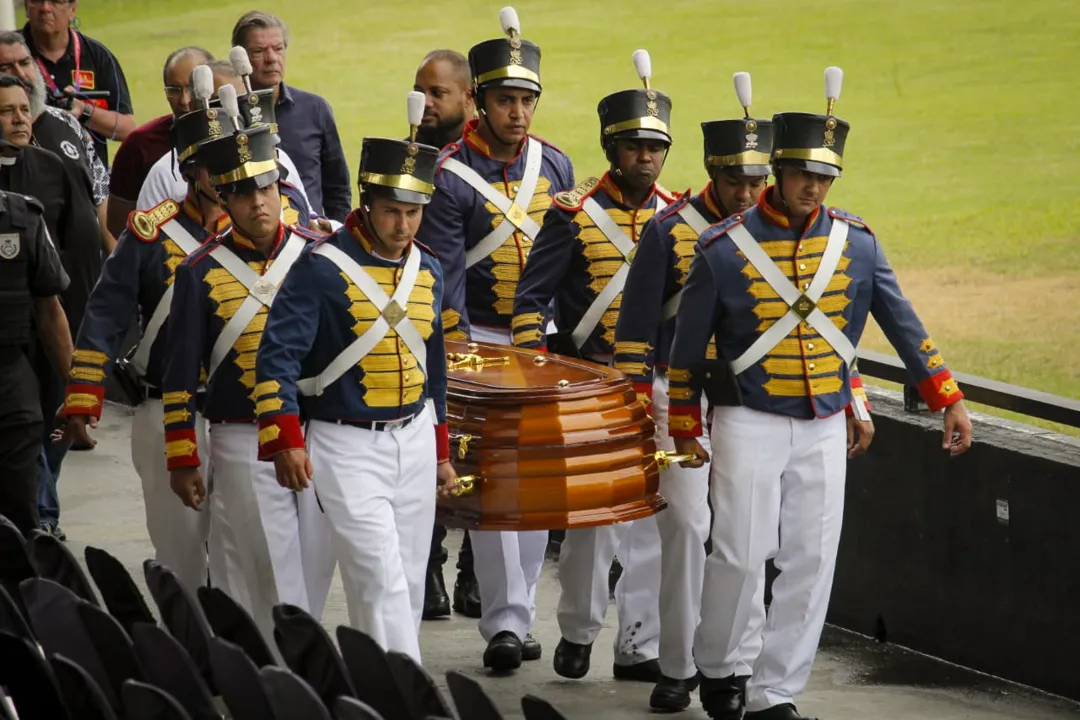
147	143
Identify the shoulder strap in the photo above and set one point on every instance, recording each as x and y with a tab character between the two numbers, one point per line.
697	222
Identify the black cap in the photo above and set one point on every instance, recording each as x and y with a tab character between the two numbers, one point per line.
242	162
258	108
741	145
812	142
192	130
633	114
506	62
398	169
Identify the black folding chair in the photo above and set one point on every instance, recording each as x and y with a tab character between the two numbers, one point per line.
418	687
118	590
309	652
181	614
52	560
238	679
147	702
112	645
372	677
14	563
167	665
81	694
55	619
347	708
231	621
536	708
12	619
29	680
470	699
291	696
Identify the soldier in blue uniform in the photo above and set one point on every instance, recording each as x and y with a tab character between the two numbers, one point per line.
223	292
354	344
139	276
581	259
491	191
786	288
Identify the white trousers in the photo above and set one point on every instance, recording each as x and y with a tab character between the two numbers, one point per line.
378	489
584	561
280	539
777	486
177	533
507	564
683	528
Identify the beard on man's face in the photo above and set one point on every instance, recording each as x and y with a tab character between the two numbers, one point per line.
445	131
37	95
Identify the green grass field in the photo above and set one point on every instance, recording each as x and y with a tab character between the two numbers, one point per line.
963	155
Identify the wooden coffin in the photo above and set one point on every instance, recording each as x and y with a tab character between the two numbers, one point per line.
553	442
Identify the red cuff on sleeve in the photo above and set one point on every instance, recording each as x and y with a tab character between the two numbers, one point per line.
940	390
84	400
442	442
279	433
181	450
858	394
684	421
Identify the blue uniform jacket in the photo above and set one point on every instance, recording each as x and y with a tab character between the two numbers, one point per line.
204	301
317	314
802	377
572	261
458	218
642	337
134	277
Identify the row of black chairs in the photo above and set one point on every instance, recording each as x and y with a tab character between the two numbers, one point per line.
64	657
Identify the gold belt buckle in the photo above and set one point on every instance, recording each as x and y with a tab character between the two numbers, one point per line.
393	313
516	215
803	306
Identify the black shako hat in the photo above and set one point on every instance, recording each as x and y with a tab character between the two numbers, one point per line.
506	62
742	145
814	142
640	113
403	170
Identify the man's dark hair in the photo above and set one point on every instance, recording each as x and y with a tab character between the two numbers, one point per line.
257	20
176	55
457	61
12	37
10	81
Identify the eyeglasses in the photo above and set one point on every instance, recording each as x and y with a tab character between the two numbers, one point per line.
175	91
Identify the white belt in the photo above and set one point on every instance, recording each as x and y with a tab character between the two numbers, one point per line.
261	290
517	216
699	225
626	247
393	314
187	244
803	306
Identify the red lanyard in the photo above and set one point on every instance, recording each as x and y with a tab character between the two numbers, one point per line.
77	41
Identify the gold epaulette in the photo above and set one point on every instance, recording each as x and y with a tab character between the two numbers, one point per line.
146	224
572	199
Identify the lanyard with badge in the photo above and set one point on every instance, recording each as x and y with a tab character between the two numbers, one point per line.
77	79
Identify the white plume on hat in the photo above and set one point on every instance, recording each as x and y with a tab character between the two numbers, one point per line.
743	90
508	17
414	104
227	95
643	65
834	79
241	63
202	81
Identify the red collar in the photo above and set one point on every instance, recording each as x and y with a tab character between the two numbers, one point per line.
358	228
471	137
242	241
192	210
608	186
710	201
777	217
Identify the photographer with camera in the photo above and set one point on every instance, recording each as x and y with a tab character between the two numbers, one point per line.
82	75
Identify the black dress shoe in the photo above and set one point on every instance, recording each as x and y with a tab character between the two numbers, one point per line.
724	698
531	649
671	694
786	711
436	602
647	671
572	660
467	595
503	652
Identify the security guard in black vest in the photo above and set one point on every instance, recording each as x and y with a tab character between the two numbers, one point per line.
31	278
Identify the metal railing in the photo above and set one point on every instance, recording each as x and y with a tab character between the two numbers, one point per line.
1004	396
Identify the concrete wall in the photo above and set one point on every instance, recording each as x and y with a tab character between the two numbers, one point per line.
973	559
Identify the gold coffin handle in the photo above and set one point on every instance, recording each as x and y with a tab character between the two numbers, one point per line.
468	361
665	459
466	485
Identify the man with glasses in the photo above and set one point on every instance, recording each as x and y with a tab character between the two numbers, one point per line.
72	62
147	143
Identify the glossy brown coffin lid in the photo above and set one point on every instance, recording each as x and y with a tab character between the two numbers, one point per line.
549	456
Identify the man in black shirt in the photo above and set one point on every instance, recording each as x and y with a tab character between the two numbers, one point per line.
70	216
70	61
31	277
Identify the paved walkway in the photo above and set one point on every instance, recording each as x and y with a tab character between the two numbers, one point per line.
854	679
